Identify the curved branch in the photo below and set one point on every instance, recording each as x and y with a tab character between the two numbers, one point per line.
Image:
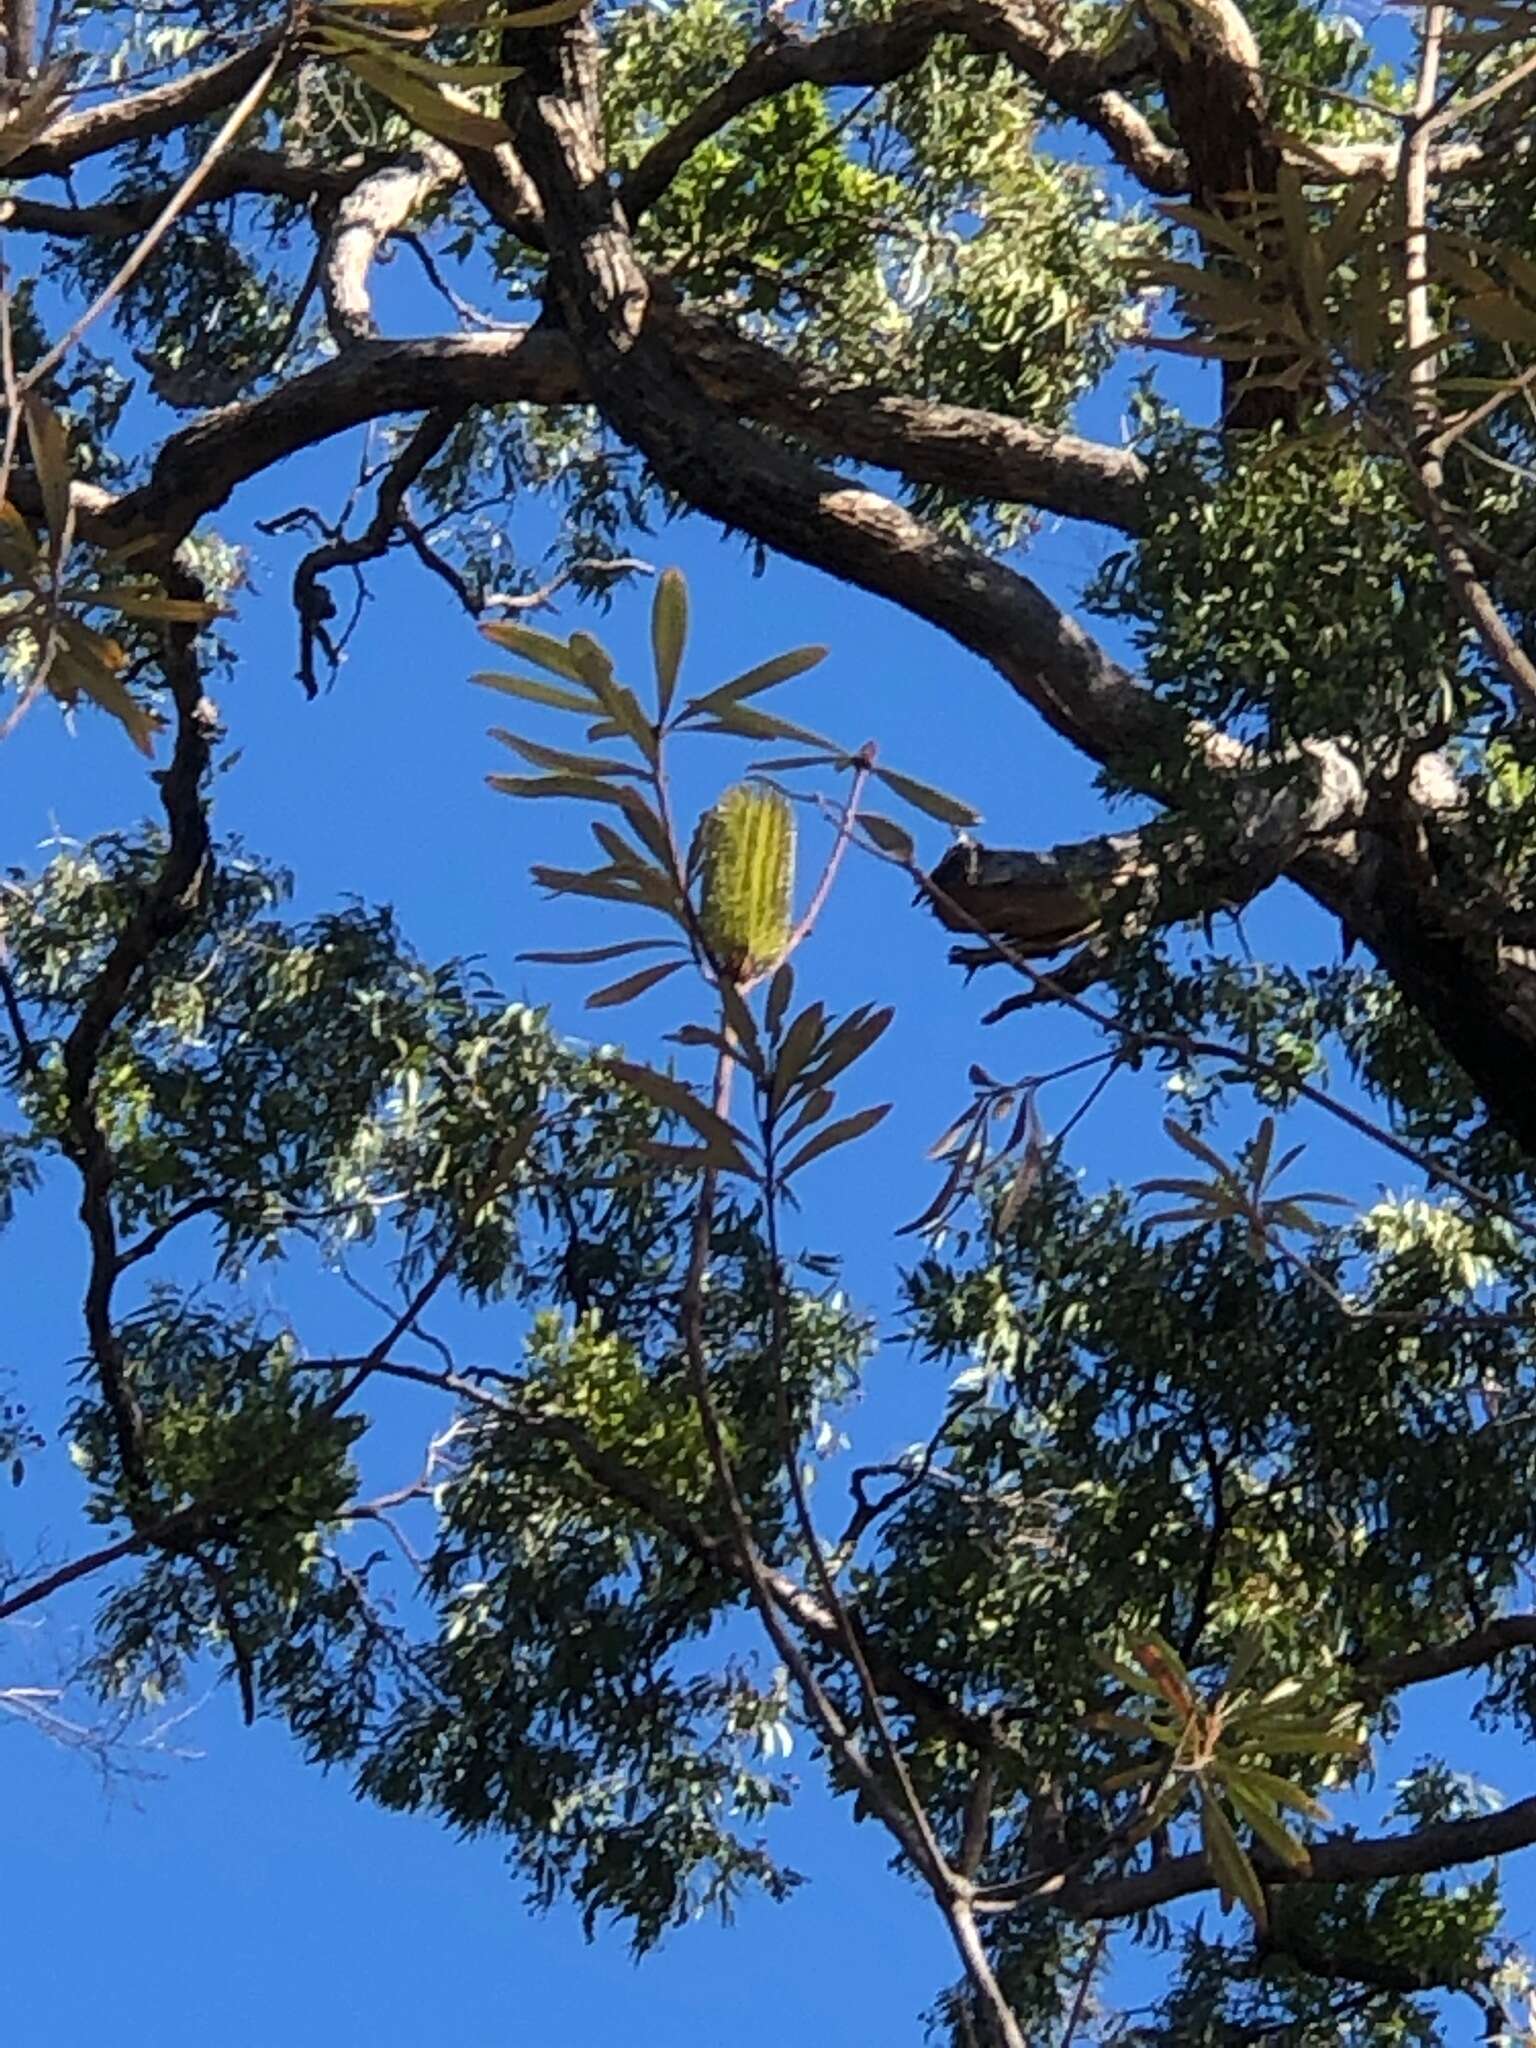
1443	1660
197	468
1443	1845
962	448
376	208
141	116
877	53
257	173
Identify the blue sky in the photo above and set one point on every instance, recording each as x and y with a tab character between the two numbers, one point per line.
239	1897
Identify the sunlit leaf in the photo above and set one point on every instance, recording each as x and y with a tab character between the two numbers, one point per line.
669	633
532	689
542	649
949	810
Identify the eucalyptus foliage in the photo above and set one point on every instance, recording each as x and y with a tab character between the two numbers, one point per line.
1221	1467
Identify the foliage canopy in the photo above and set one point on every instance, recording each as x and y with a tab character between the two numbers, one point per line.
1222	1470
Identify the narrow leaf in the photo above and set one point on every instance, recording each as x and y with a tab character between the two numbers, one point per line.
589	956
542	649
934	803
669	634
534	691
843	1132
632	985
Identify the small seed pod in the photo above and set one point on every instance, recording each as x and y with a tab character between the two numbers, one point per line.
747	899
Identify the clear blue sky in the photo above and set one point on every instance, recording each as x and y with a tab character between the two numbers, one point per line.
241	1899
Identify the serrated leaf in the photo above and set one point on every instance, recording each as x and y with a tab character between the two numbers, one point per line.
586	789
843	1132
742	721
815	1106
780	994
608	885
934	803
1187	1141
632	985
669	634
800	1041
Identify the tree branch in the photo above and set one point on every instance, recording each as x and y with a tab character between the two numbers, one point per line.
876	53
141	116
257	173
1443	1845
378	206
962	448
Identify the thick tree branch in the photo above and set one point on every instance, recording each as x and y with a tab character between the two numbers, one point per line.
142	116
1443	1660
196	469
379	206
962	448
259	173
878	52
1443	1845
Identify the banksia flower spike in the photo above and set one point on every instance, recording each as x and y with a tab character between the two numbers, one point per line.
748	879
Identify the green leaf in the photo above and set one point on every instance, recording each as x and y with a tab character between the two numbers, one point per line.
532	689
542	649
584	788
800	1042
949	810
632	985
849	1042
558	760
888	836
85	662
1235	1876
780	994
815	1106
429	110
48	439
750	682
741	722
608	885
1266	1824
669	634
843	1132
1277	1790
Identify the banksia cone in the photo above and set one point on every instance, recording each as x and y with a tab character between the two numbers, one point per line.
747	900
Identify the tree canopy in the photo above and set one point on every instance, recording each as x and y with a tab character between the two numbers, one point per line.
1221	1468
